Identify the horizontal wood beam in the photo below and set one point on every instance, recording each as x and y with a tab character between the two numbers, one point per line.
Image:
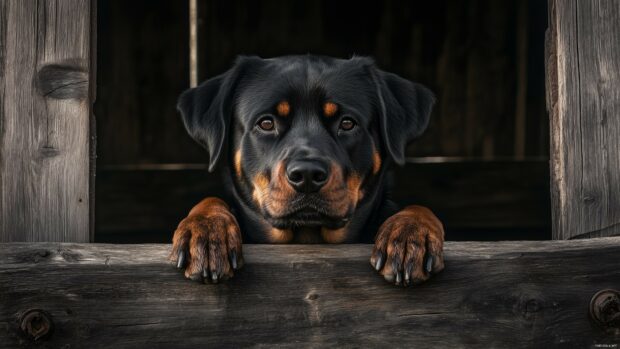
492	294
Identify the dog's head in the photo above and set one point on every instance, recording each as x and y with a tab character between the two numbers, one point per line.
306	136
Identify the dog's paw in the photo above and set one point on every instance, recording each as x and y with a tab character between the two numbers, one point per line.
409	246
207	244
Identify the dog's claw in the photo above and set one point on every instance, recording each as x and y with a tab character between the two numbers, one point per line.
214	278
429	264
181	260
398	278
379	261
233	259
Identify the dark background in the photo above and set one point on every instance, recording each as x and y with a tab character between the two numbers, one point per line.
482	166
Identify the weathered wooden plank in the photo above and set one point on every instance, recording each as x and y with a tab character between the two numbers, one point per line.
45	50
504	294
585	127
467	195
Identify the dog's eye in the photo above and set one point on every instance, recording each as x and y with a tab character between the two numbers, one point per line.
266	124
347	124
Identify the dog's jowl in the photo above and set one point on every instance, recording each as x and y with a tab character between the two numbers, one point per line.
304	144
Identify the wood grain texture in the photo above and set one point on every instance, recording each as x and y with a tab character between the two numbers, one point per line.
45	49
584	101
491	295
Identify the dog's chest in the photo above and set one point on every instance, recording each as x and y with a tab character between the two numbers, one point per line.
307	235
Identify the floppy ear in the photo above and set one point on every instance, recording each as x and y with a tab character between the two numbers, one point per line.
206	110
404	108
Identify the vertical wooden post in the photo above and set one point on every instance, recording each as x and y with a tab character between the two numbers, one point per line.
193	43
46	92
583	98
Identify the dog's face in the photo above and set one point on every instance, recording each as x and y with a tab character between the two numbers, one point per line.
306	137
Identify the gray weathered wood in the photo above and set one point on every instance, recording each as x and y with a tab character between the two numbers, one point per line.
583	70
45	104
491	295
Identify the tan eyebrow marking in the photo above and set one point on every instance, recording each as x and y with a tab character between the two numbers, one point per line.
330	109
283	108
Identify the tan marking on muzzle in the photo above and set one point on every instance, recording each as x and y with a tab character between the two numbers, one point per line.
261	183
376	162
354	182
281	192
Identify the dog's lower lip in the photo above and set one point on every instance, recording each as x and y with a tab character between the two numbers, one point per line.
307	216
306	210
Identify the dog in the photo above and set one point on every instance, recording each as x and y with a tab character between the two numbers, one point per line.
305	144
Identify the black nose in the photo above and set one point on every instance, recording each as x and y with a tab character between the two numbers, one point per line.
307	175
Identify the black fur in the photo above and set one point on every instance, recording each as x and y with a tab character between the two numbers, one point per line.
222	113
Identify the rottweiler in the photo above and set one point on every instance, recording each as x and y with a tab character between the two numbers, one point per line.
305	144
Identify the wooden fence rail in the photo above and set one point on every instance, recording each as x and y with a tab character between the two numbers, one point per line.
492	294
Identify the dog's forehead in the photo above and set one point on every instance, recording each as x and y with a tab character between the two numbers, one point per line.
341	81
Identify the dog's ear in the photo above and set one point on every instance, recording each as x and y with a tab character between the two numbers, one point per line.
405	109
207	109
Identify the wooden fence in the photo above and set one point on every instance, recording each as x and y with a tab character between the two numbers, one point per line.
491	295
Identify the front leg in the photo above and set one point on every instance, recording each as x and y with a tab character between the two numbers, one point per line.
207	243
409	246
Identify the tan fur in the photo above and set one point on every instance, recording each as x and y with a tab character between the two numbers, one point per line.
335	192
237	164
261	185
283	108
275	195
208	233
280	236
209	207
334	236
354	182
281	192
404	240
330	109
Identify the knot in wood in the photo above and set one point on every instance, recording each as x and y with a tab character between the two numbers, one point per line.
63	81
605	309
36	324
532	306
312	296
